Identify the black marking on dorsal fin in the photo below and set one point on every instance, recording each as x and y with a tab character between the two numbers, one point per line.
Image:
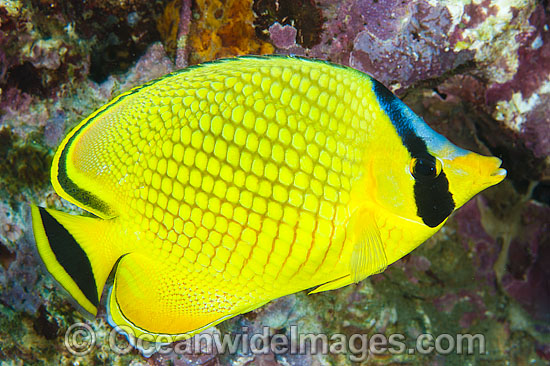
70	256
83	196
433	199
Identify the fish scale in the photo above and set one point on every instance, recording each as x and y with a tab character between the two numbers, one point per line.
234	157
270	164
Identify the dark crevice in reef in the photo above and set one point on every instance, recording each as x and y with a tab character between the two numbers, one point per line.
116	33
301	14
541	192
6	256
45	324
522	165
26	78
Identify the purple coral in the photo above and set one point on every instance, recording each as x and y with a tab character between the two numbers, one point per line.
529	81
534	58
283	37
405	44
54	128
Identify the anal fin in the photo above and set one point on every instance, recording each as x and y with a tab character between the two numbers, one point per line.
166	300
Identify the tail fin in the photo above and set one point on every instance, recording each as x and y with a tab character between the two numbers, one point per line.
77	251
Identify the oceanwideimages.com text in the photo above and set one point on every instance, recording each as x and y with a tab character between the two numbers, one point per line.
80	339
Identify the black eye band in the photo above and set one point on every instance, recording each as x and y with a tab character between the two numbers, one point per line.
433	199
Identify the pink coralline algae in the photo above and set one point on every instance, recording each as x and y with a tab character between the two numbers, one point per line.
529	89
534	58
153	64
411	265
405	44
54	129
190	352
536	131
283	37
304	16
527	259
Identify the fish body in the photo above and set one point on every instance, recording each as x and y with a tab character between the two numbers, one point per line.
223	186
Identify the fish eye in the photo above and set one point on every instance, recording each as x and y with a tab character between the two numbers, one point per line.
425	167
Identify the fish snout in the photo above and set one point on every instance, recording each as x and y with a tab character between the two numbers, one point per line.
471	173
490	171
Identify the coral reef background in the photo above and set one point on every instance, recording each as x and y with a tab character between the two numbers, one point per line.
477	71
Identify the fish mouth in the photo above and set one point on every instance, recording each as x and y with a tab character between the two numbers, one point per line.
498	173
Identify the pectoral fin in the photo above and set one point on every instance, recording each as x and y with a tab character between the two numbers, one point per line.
368	256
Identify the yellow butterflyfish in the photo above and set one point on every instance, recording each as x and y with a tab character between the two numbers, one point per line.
223	186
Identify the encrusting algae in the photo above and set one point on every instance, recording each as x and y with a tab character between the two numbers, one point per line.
223	186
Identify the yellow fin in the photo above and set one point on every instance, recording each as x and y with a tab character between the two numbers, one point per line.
156	297
77	252
368	256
